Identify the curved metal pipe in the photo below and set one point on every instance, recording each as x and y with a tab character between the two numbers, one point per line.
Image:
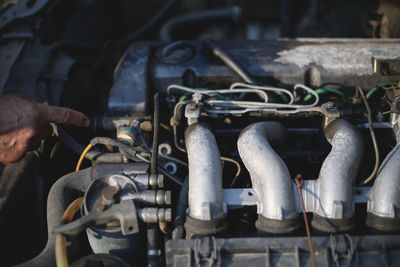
334	210
205	179
384	196
270	176
62	193
205	174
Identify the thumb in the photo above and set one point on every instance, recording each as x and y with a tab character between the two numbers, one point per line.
63	116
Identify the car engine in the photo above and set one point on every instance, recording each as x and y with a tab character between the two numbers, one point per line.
225	133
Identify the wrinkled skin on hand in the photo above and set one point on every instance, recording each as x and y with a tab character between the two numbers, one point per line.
24	123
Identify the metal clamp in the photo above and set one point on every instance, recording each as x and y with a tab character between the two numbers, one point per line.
192	112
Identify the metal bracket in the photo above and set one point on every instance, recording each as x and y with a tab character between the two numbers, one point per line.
330	110
125	212
240	197
385	67
192	112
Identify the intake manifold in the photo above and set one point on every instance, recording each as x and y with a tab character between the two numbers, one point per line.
206	213
270	177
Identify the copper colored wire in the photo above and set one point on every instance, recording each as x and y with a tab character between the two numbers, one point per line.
299	183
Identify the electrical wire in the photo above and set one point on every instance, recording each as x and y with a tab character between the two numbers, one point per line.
238	168
143	141
78	165
174	160
61	240
279	91
142	158
240	107
299	184
324	90
189	94
372	132
156	127
392	85
377	87
54	149
170	176
254	104
261	93
230	62
249	104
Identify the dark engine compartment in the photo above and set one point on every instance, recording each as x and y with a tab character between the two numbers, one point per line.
237	97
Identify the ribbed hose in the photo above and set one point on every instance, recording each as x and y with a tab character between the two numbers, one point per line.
62	193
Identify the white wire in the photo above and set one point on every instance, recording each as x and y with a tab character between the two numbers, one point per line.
254	104
264	88
261	93
241	107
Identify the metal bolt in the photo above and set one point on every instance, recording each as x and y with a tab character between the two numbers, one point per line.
330	105
108	194
165	149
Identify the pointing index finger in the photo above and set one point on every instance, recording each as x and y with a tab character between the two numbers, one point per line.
63	116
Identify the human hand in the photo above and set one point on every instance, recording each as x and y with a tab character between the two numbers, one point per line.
24	123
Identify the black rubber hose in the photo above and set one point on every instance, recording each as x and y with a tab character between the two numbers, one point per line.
156	126
62	193
150	23
231	13
178	231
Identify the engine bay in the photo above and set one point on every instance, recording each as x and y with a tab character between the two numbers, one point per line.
205	151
